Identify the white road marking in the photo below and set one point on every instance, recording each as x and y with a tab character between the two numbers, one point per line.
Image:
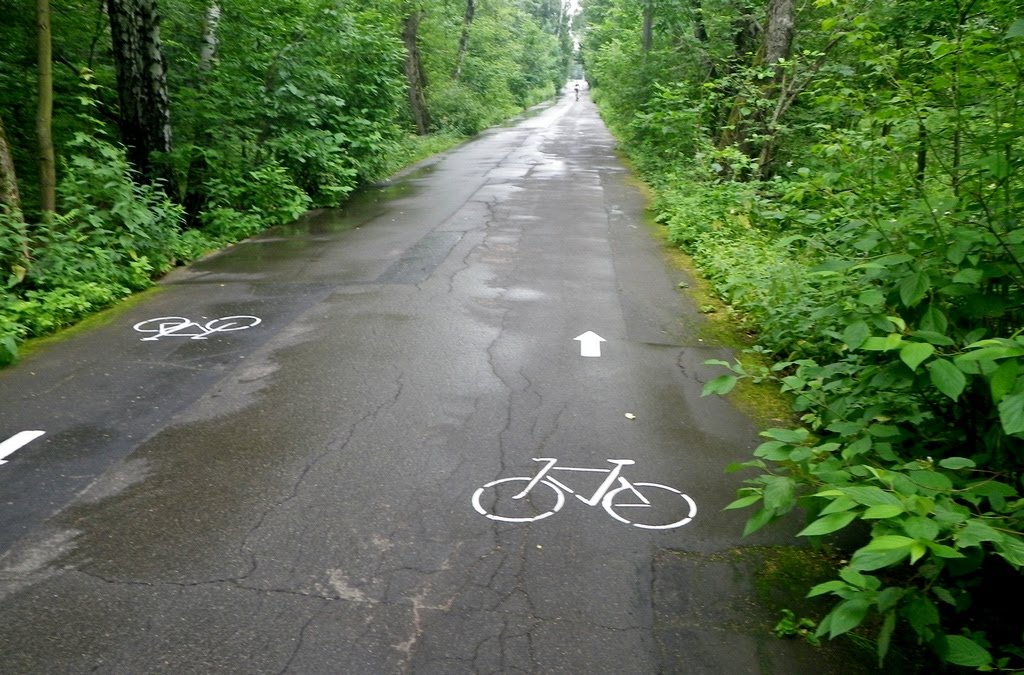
16	442
590	343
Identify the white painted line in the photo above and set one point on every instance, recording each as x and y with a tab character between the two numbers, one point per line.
590	343
16	442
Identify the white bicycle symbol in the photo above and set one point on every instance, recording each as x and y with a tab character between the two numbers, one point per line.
179	326
667	507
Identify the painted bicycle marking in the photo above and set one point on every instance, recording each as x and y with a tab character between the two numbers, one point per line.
507	500
180	326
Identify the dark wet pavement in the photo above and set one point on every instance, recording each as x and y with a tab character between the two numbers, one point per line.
298	496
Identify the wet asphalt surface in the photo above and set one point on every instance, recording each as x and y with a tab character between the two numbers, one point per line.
305	495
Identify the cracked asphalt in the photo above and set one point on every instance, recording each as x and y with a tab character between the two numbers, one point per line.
297	497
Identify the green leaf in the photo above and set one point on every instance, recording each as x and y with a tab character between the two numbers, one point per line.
858	447
963	651
1011	414
743	502
914	353
931	480
934	321
882	511
760	518
917	549
872	298
1016	30
991	488
855	334
956	463
991	353
931	337
776	451
974	532
914	288
883	344
847	616
885	636
829	587
1011	548
867	558
888	542
838	505
721	385
971	275
827	524
787	435
871	496
779	493
947	378
1004	379
921	528
943	551
922	614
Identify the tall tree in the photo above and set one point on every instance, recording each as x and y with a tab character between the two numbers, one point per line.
647	33
414	71
44	115
10	197
467	21
210	39
145	119
778	36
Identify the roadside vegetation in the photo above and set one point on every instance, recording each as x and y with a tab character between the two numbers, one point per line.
135	136
850	178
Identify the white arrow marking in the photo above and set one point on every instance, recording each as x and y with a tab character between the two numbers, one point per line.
590	343
16	442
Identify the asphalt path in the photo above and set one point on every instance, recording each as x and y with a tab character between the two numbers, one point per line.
315	493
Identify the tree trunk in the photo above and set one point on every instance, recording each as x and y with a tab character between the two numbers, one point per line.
467	20
700	33
44	116
414	73
10	197
210	40
776	47
10	205
145	120
922	154
778	37
647	39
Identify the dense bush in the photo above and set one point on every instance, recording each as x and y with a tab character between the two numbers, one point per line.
859	207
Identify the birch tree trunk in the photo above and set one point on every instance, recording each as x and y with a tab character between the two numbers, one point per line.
210	39
145	120
467	20
44	116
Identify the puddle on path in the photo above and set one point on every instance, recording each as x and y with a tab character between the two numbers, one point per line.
360	208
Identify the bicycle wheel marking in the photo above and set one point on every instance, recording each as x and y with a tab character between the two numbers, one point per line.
648	506
559	503
183	327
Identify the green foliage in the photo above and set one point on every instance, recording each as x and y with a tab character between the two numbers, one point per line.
790	626
300	105
881	262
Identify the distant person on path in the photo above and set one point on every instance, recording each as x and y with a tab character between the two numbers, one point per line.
577	91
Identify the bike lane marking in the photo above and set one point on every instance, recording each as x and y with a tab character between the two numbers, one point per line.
590	344
16	442
606	495
176	326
